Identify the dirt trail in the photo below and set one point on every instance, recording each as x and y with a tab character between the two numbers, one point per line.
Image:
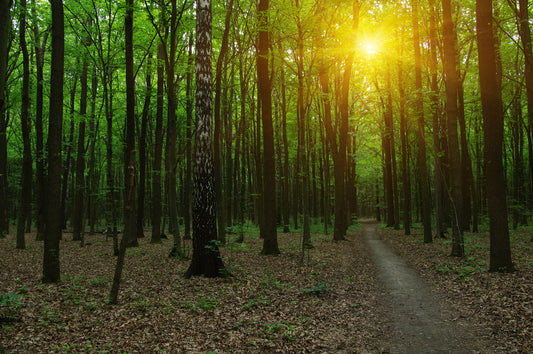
419	328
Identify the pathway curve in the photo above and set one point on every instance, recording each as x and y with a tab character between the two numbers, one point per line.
418	326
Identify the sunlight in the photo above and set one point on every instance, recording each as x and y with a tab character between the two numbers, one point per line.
369	47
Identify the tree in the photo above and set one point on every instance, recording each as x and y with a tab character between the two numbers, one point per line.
491	101
130	232
454	161
51	269
264	91
206	260
5	25
25	191
420	132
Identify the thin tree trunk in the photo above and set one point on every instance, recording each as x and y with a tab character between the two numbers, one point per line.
158	150
188	171
142	153
423	180
221	210
5	24
454	159
79	198
26	184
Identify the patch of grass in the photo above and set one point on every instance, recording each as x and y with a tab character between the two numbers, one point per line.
316	290
97	282
256	302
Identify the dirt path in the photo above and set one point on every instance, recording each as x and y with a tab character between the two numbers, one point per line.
419	327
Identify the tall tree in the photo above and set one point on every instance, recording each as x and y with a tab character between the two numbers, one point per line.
420	132
221	212
25	191
264	88
206	258
454	160
40	46
5	25
492	107
130	232
51	268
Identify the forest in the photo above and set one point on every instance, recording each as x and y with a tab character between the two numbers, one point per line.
233	161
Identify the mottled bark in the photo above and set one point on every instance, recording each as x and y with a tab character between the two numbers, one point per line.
206	259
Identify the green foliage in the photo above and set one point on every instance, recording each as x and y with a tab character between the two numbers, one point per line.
10	305
316	290
256	302
464	268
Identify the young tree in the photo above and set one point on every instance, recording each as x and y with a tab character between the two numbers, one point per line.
51	269
206	258
491	101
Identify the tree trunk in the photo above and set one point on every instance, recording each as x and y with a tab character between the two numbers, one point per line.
420	132
25	192
51	269
142	153
188	171
221	210
5	24
39	137
79	198
206	258
268	223
404	136
491	101
454	159
158	151
130	232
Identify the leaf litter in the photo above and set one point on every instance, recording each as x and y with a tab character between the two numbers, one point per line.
331	303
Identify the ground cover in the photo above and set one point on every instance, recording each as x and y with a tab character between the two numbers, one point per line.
329	304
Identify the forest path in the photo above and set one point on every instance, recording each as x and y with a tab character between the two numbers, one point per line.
418	326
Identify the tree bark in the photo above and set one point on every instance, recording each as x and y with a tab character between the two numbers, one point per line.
158	150
206	258
130	232
5	23
142	153
51	267
423	180
454	159
492	107
268	224
221	210
79	197
26	184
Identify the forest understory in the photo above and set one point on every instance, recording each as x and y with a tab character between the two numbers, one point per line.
332	303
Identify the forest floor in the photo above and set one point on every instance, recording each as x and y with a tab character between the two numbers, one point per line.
337	301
